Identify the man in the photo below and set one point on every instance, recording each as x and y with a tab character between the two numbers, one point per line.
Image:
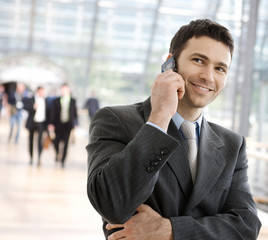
15	102
92	105
63	119
37	120
2	98
139	175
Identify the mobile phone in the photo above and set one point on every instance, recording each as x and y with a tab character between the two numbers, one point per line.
169	64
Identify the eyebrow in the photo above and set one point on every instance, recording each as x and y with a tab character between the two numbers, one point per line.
206	58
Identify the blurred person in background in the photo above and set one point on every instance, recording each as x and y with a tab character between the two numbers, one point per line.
15	104
157	170
63	118
92	105
2	98
37	120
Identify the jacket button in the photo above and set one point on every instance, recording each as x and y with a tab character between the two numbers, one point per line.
149	169
154	163
158	158
164	152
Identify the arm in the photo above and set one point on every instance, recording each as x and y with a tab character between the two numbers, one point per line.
75	114
118	176
28	104
237	220
122	171
147	223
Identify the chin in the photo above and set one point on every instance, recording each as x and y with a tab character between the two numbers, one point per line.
198	104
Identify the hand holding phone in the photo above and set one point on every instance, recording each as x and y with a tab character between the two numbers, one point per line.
170	64
167	89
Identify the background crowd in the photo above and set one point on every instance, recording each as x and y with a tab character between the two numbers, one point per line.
49	118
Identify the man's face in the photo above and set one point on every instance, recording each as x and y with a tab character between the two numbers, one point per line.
65	91
203	64
41	92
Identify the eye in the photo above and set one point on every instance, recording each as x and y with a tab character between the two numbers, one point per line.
198	60
220	69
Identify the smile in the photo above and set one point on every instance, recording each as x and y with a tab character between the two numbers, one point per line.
202	88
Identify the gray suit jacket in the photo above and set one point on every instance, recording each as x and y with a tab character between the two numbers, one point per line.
130	163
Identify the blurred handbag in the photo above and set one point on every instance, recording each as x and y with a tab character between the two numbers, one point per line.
47	142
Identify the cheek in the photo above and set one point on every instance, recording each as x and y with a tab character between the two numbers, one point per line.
221	84
184	70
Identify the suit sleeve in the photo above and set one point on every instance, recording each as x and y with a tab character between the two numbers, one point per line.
28	104
122	170
53	111
75	114
238	220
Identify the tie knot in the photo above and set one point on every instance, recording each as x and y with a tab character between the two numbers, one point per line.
188	129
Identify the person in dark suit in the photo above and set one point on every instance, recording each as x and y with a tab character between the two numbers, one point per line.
2	98
139	176
92	105
37	120
62	120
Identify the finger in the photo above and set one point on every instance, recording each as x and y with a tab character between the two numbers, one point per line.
117	235
111	226
181	93
142	208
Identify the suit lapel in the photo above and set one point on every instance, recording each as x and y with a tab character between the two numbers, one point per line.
210	165
179	162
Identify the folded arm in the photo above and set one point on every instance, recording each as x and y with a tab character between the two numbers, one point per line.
123	165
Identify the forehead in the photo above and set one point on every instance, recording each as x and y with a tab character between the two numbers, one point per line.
214	50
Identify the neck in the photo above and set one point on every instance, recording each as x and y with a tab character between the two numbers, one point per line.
189	113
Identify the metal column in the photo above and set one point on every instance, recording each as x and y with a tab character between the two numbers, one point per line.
248	68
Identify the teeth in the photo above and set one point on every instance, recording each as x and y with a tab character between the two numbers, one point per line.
205	89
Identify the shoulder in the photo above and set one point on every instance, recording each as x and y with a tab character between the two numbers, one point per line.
226	135
125	118
128	113
56	100
28	100
222	130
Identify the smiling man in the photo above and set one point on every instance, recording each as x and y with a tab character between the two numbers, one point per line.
150	177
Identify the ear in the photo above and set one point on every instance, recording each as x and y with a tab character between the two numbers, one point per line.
169	55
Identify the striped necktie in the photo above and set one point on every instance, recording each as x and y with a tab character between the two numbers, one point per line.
188	129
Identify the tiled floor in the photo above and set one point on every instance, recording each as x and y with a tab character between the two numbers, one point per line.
48	202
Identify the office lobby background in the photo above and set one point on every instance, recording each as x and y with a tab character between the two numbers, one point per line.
115	49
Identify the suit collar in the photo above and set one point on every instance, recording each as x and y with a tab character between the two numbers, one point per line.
147	108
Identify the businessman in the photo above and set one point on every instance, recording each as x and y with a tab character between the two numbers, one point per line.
158	170
63	118
37	120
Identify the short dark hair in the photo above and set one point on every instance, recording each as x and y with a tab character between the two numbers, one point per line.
199	28
64	85
39	87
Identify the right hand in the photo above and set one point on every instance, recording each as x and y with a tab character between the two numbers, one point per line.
166	90
51	128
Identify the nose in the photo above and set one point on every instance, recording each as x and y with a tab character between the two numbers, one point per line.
207	74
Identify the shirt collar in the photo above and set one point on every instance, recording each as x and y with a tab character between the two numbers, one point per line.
178	119
66	98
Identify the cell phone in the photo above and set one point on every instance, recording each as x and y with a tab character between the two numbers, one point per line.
169	64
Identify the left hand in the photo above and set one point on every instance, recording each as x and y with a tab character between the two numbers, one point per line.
147	224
